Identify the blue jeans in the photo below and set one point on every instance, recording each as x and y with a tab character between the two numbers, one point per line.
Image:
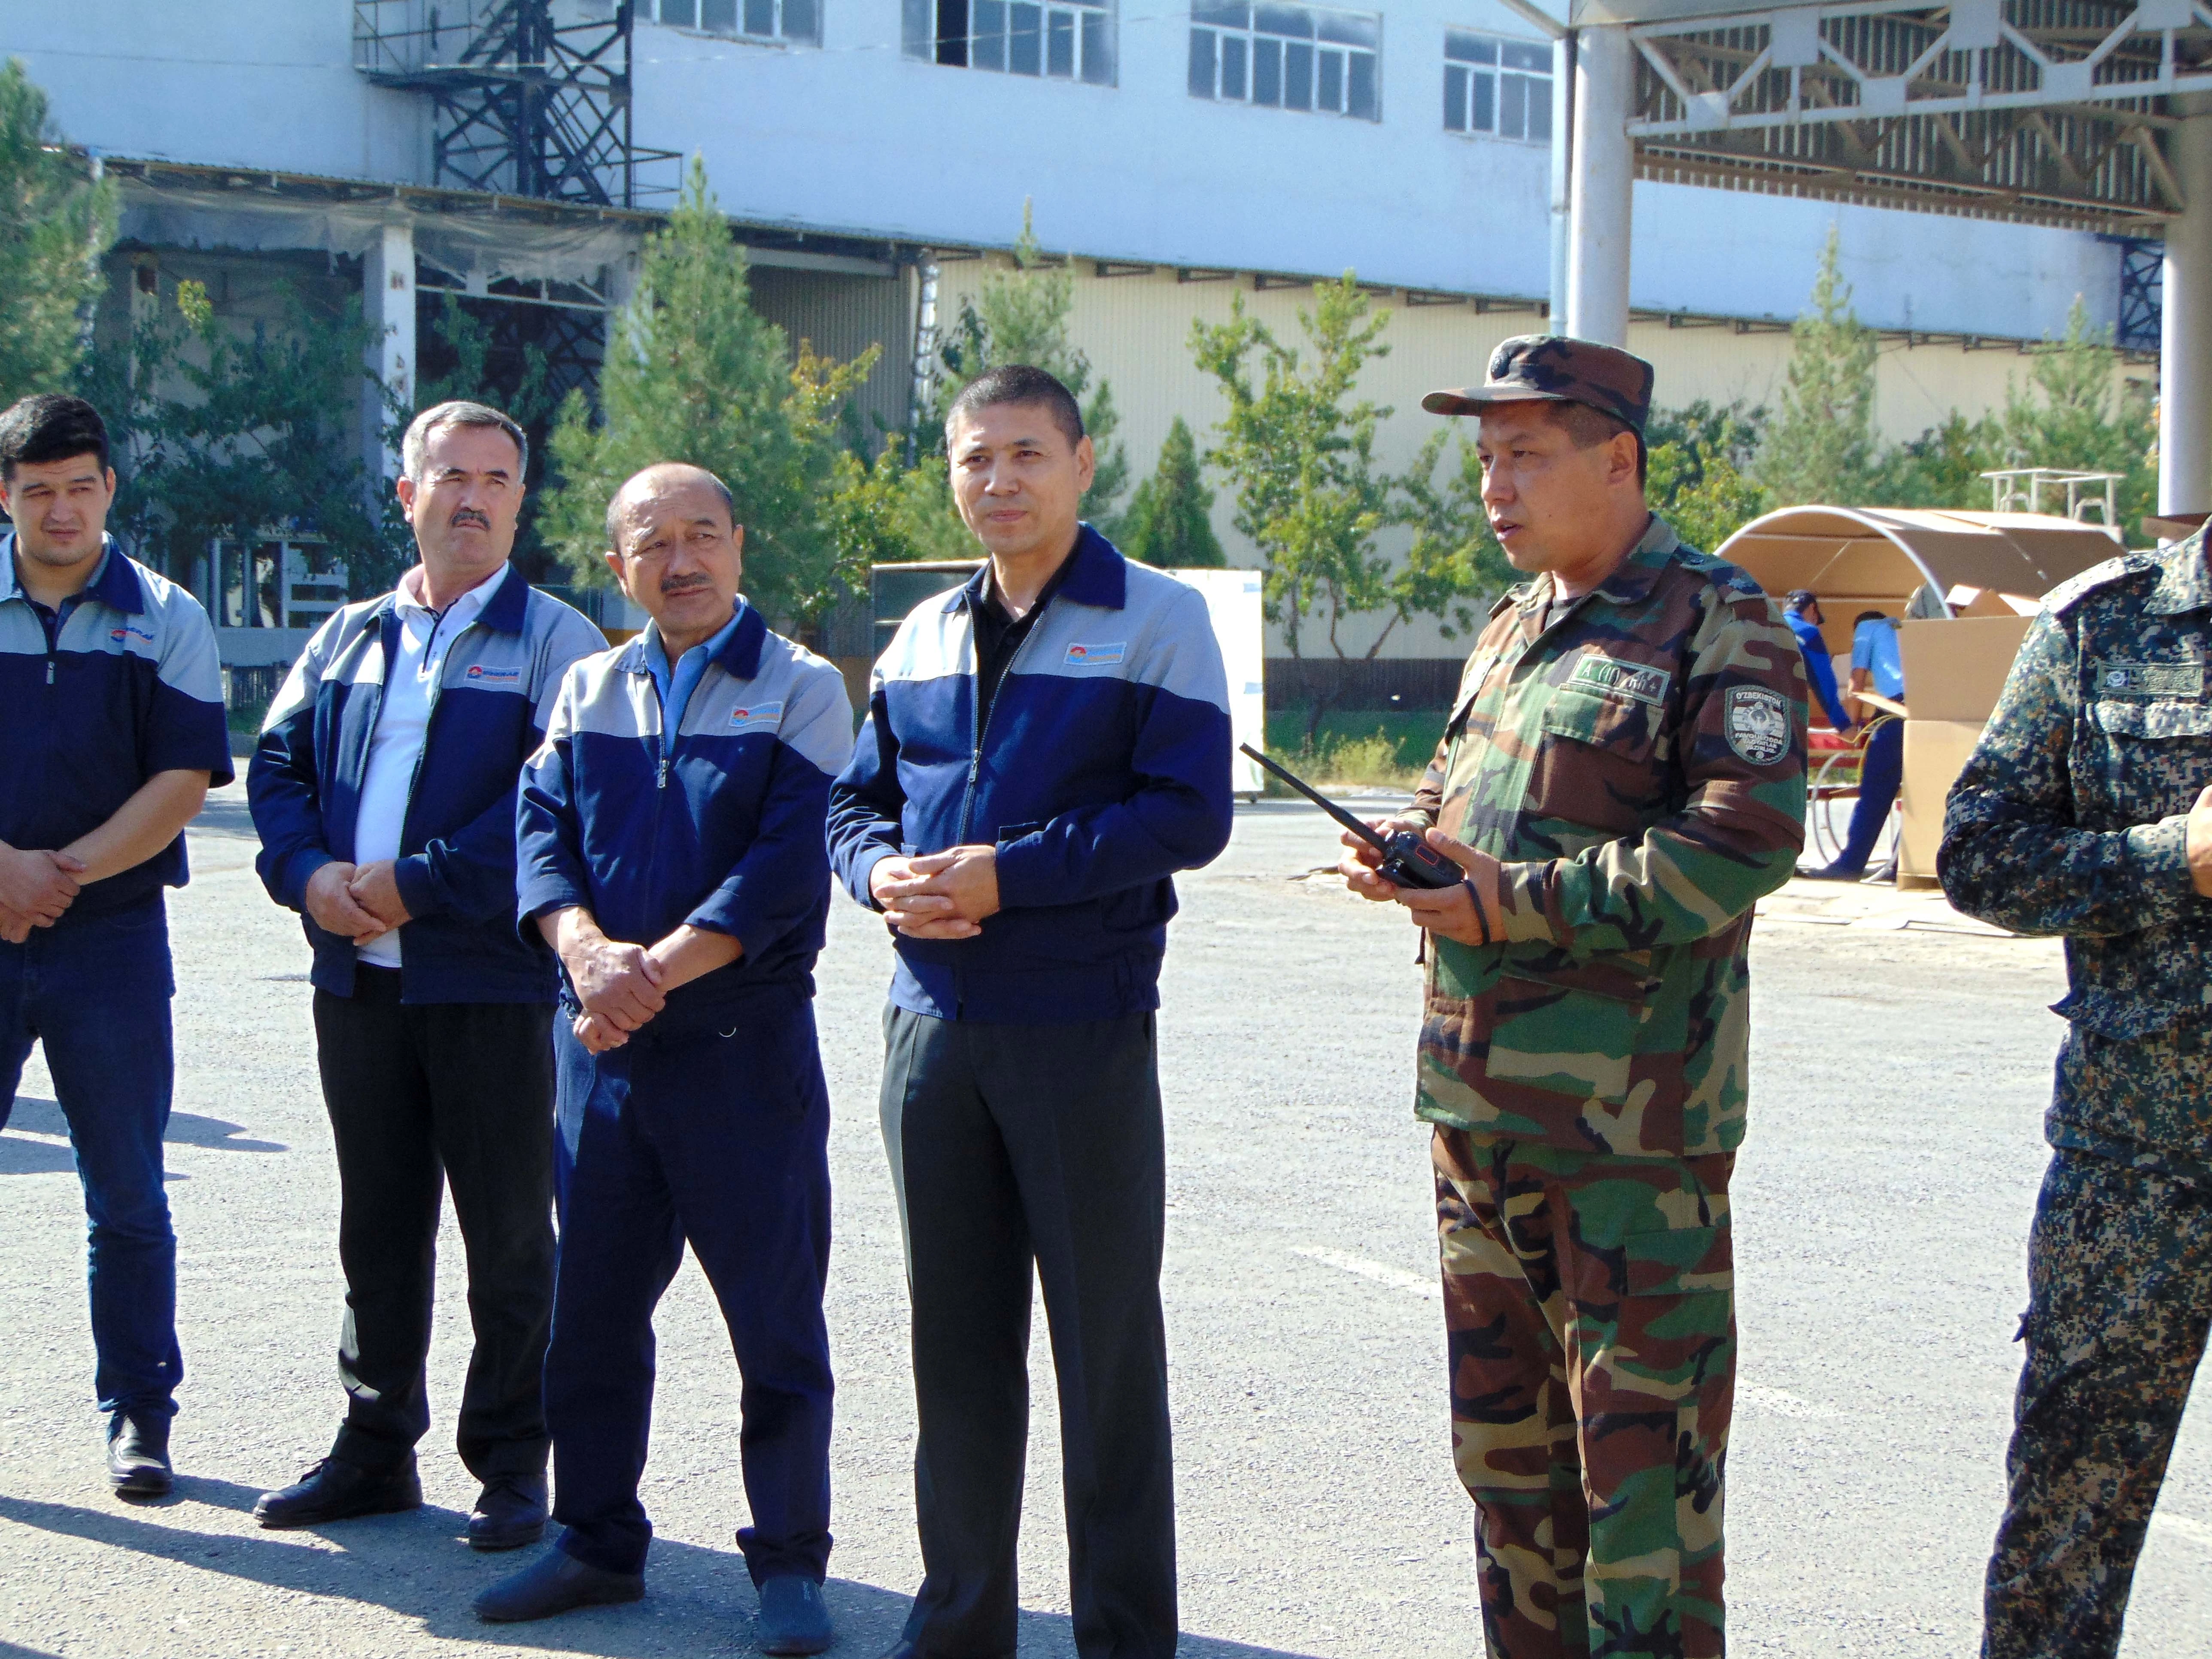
95	991
1879	774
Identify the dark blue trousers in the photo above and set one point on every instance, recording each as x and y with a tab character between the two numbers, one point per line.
1879	774
95	991
710	1125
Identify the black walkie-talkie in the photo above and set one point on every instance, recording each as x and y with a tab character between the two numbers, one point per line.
1408	860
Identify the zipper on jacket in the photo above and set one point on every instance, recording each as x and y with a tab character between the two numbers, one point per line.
983	726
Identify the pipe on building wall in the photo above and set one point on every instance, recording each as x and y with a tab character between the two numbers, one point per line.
2184	352
1603	173
924	389
1562	182
388	304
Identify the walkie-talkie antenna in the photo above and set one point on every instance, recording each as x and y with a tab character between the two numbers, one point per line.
1355	825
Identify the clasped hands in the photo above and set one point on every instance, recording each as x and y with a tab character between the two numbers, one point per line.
1470	912
36	887
359	902
938	894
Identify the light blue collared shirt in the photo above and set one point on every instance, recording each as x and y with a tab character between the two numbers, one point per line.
675	690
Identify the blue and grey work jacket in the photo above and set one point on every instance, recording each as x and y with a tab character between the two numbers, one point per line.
456	867
717	827
1103	768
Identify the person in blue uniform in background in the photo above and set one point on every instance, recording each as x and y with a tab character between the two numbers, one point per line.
1876	665
1802	613
672	853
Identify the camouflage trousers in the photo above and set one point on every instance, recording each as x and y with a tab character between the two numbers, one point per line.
1590	1309
2119	1271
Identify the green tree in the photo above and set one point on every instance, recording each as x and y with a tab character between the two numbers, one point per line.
2077	413
1943	466
1300	450
1822	447
1454	567
694	374
1169	522
226	435
1700	456
55	223
1021	316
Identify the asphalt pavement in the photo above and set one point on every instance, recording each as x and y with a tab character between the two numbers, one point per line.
1901	1058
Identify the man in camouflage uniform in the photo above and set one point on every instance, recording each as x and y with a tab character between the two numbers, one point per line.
1622	778
2084	811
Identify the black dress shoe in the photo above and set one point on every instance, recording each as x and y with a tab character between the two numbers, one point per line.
334	1490
138	1458
793	1618
556	1582
511	1512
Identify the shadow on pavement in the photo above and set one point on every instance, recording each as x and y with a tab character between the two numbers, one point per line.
414	1565
44	1117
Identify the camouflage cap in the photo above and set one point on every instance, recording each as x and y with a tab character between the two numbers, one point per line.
1557	369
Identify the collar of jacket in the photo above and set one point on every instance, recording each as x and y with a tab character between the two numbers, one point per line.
1096	574
2185	582
739	657
504	613
113	583
1631	579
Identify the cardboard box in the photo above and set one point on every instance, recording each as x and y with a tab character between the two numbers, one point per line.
1934	754
1954	670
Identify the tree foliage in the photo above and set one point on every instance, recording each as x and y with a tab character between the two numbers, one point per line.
1021	316
227	434
55	223
694	374
1823	446
1699	477
1170	521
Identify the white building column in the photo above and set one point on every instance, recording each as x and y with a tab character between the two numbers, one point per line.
1563	162
388	304
1604	169
2184	350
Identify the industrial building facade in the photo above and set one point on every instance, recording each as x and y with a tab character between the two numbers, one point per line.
876	155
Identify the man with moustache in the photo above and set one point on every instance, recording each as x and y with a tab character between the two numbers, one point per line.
115	727
1622	779
1044	747
384	792
673	854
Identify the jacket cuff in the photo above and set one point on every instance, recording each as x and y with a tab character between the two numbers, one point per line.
539	895
1523	914
1021	882
863	870
300	870
2161	852
418	891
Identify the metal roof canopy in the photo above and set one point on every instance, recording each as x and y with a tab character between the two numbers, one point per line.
2038	111
1869	558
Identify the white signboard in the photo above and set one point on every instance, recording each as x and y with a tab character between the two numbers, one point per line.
1232	600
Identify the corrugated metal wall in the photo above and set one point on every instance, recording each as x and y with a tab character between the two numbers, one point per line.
844	316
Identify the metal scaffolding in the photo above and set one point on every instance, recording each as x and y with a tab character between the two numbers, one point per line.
532	97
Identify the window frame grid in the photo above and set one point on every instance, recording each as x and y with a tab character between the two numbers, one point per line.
1058	40
1238	63
1479	92
693	14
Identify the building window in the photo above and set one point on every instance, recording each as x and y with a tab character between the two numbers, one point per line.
1286	58
1057	39
271	584
1502	88
753	20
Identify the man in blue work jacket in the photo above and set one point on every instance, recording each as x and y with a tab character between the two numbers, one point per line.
1878	667
672	853
115	727
384	791
1802	613
1044	747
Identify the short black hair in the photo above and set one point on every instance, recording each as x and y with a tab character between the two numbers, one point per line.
50	427
1587	428
1869	616
1019	383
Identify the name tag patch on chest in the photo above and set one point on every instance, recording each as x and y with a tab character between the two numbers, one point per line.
1757	721
757	714
2149	679
1095	656
1609	677
477	674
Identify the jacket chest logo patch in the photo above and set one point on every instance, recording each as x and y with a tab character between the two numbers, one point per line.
479	675
1609	677
1757	722
2149	679
1095	656
756	713
130	631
